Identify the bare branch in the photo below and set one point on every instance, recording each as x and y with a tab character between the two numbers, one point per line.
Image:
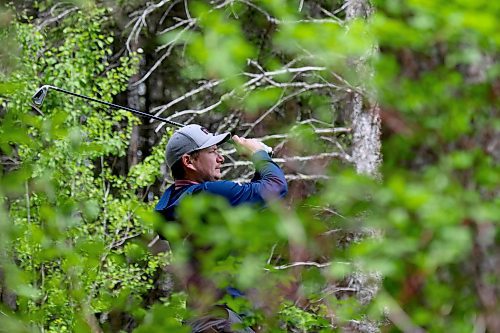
209	85
37	109
336	130
309	86
262	11
276	21
332	15
301	176
278	103
312	157
140	21
188	15
305	263
284	70
271	254
289	135
123	239
175	26
164	16
191	112
293	159
197	112
56	18
246	177
249	85
172	43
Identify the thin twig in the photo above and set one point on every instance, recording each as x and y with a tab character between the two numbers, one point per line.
57	18
164	16
291	159
188	15
140	22
305	263
209	85
191	112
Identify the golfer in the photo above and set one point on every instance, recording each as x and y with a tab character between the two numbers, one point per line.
195	163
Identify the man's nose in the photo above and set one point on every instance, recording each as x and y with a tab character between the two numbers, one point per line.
220	158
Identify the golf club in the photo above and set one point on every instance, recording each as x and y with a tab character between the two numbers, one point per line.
41	93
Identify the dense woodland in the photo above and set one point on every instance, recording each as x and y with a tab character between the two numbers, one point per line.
383	114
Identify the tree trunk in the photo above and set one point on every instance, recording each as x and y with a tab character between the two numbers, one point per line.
7	297
364	117
133	102
365	124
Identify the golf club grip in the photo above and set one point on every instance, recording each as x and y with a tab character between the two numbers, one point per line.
268	149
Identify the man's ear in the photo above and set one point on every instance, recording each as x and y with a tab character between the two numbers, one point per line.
187	162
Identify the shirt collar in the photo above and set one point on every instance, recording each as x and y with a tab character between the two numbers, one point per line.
183	182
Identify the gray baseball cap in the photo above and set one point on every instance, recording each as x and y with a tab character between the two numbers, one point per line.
189	139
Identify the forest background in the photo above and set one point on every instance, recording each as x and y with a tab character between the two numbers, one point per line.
383	114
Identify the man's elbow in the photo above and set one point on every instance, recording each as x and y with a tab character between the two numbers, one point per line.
279	189
283	189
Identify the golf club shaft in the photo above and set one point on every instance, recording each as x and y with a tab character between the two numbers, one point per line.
41	93
134	111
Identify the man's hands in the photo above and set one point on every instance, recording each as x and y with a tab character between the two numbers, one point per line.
248	146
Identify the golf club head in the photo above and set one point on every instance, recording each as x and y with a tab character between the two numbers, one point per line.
40	94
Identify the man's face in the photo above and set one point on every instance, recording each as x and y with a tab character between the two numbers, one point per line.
208	163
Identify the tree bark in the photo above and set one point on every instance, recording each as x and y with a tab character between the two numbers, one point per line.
364	117
134	94
133	102
365	125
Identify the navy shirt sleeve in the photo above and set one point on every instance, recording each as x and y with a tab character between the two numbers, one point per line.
269	183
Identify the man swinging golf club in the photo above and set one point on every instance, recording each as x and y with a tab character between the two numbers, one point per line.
195	163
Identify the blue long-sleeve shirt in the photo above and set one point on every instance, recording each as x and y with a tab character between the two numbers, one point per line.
269	182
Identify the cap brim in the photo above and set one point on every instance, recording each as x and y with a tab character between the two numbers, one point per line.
216	140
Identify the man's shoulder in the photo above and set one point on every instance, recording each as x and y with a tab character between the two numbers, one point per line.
172	195
216	185
232	191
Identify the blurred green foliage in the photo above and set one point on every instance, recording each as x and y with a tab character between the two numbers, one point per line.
435	68
74	245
